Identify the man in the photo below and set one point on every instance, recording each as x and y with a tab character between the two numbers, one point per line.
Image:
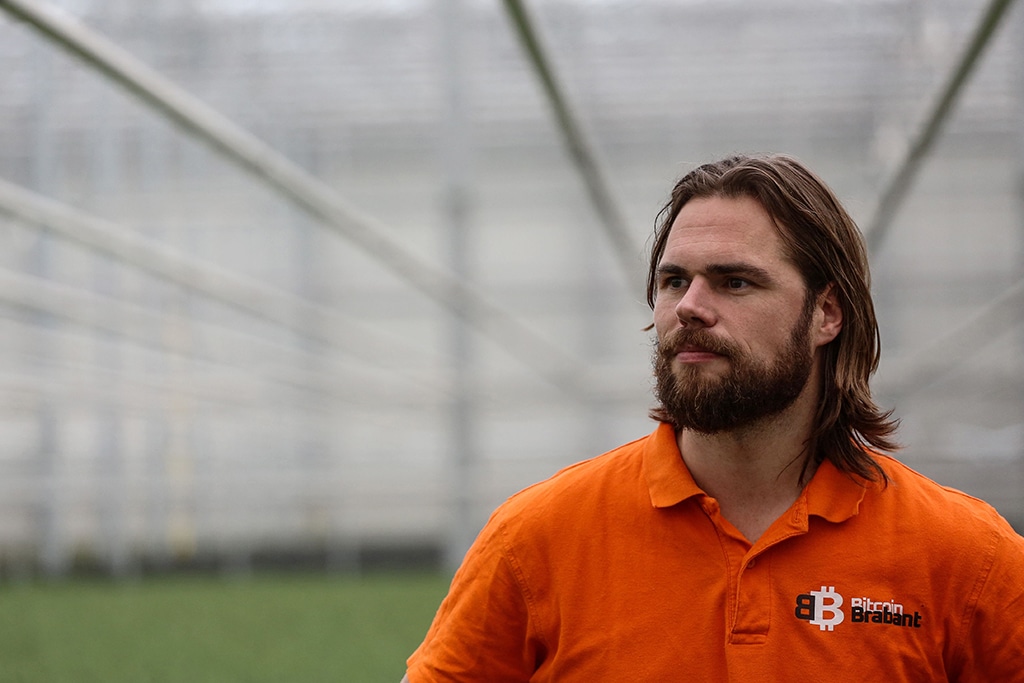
759	533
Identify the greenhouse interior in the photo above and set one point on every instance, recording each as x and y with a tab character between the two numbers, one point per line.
322	283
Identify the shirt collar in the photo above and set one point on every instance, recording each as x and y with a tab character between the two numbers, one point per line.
834	495
668	478
831	494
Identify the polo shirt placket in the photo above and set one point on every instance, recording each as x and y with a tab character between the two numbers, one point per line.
750	604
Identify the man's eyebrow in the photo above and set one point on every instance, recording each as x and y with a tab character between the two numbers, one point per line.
739	268
671	269
747	269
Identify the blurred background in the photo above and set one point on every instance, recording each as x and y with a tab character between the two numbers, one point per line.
320	283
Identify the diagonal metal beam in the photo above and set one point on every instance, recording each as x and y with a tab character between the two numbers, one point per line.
582	151
301	188
286	365
313	321
896	190
926	366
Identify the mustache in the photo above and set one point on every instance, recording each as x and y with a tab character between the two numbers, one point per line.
684	337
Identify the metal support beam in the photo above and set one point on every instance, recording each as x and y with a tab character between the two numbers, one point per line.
928	365
583	153
258	358
208	279
896	190
300	187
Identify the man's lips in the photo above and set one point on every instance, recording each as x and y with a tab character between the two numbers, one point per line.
696	354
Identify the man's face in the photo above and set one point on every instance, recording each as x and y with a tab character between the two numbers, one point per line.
736	336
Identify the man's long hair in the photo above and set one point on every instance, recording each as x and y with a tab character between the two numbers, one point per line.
826	246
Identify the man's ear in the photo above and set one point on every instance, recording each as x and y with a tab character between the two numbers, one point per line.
828	316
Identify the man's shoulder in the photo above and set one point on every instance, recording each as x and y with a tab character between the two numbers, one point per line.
610	473
922	499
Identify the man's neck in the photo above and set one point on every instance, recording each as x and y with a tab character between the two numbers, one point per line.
755	473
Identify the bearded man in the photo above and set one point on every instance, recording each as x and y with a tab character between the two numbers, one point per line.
760	533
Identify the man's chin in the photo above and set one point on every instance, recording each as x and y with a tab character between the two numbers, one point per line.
698	377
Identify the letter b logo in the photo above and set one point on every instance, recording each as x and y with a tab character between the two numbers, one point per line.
805	607
826	605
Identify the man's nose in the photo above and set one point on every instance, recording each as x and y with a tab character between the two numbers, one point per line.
695	307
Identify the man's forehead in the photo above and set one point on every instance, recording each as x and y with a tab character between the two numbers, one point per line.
717	247
719	230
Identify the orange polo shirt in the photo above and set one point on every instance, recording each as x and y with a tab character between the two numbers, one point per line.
621	568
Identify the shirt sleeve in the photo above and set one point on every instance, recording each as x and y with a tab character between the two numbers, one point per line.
482	630
994	642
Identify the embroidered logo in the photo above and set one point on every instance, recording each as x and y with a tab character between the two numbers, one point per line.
824	609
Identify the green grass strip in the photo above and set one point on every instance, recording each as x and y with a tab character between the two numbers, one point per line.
195	629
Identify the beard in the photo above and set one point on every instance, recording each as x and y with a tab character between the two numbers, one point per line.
751	391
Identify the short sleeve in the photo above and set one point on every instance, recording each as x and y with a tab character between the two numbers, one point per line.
993	649
482	629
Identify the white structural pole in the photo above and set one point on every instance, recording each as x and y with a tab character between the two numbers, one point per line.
931	363
54	554
247	294
896	189
320	201
581	149
456	159
238	351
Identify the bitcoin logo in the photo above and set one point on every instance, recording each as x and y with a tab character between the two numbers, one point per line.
821	608
827	601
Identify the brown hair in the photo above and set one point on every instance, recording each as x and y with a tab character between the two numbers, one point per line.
826	246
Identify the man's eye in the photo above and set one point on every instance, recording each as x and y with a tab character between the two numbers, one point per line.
736	283
674	283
